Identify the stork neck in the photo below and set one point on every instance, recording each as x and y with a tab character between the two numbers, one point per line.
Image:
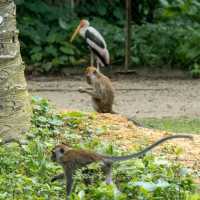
82	31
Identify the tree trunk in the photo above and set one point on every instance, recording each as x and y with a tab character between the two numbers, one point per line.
15	110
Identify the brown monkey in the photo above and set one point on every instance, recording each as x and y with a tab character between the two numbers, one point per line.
102	92
71	159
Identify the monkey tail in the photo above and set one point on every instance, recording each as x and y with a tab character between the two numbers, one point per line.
129	119
135	122
144	151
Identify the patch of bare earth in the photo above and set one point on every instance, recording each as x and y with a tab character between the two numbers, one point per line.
135	96
128	137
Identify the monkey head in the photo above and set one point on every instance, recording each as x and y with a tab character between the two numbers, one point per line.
91	74
58	152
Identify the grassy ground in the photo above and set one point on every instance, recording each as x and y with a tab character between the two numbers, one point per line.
178	125
26	170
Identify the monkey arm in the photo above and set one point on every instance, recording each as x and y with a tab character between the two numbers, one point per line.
90	92
59	176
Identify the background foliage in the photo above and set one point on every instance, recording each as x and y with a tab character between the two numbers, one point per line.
164	33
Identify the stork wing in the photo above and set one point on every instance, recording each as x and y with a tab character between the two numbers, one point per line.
101	53
93	35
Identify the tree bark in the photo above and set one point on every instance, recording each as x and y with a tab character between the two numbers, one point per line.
15	109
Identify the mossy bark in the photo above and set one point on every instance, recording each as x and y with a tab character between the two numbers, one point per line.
15	110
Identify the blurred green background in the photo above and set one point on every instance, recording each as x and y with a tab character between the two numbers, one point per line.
165	33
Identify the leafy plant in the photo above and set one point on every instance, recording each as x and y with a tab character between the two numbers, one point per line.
195	70
26	170
173	39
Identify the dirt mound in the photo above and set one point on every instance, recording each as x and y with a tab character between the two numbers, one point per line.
127	136
119	131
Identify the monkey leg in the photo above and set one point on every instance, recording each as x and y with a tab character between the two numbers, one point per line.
69	183
107	170
59	176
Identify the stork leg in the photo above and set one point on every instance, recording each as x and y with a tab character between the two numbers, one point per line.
91	58
98	65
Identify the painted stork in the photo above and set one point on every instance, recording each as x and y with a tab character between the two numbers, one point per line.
95	41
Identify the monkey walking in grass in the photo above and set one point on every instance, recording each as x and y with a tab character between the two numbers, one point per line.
73	159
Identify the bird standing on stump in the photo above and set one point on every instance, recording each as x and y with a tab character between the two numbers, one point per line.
96	43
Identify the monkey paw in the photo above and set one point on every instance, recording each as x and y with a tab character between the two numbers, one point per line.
81	90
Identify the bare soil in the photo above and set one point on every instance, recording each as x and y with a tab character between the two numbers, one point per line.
117	130
135	96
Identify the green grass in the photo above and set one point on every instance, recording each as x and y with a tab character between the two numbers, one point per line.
26	170
179	125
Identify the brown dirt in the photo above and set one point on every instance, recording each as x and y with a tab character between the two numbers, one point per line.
128	137
135	97
117	130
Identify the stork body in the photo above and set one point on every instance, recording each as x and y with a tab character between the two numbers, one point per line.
95	42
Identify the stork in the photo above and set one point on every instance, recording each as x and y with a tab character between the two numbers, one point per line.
95	41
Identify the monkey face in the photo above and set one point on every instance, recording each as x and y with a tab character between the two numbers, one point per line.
58	152
90	74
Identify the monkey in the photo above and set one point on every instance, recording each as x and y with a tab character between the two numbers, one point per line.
72	159
102	92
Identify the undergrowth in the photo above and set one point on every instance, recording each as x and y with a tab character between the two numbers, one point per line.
170	40
26	170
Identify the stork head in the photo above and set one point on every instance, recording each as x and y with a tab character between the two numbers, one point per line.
83	24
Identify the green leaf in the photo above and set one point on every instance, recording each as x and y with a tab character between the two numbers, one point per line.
67	50
62	23
47	66
81	194
165	3
102	9
146	185
37	56
36	49
51	50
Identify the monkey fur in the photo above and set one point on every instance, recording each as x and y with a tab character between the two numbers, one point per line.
72	159
102	92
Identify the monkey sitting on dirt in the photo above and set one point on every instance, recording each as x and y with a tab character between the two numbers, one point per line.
72	159
102	92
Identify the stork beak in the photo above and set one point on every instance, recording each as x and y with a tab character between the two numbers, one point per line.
75	32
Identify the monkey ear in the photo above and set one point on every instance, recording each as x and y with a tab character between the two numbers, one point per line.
65	144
